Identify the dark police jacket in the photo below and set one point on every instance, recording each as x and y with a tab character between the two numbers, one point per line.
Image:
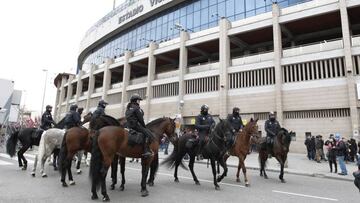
134	116
46	120
272	128
98	112
203	124
235	121
72	119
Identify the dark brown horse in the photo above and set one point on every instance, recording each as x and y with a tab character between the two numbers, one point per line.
280	151
76	139
240	149
112	140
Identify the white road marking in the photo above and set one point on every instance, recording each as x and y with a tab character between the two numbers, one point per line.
189	178
14	158
4	163
303	195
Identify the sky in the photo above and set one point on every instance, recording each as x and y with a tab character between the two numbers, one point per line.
44	34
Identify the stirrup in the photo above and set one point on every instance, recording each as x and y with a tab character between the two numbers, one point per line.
147	154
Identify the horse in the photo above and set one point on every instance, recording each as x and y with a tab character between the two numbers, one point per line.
50	140
214	149
121	160
76	139
240	149
112	140
280	151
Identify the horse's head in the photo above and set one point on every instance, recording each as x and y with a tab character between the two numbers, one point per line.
170	127
122	121
284	137
224	130
251	129
87	117
163	126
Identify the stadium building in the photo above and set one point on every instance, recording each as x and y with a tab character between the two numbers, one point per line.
300	59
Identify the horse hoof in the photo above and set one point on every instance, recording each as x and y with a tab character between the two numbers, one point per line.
144	193
64	184
266	177
33	174
151	184
197	183
112	187
122	187
23	168
176	180
55	168
78	171
247	184
283	181
94	197
106	198
238	180
217	187
261	175
72	182
44	175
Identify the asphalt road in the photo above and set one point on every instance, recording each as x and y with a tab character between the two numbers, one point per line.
19	186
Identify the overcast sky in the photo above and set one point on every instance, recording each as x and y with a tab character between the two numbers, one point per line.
43	34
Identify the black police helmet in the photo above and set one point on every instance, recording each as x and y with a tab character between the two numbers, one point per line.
73	107
102	103
135	97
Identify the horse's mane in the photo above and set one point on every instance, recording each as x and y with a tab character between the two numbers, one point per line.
155	122
110	119
287	138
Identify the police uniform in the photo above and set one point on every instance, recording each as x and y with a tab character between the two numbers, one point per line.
272	128
203	123
46	119
72	118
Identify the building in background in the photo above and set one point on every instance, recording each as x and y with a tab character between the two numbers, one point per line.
9	102
298	58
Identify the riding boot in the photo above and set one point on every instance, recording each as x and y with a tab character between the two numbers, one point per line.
269	149
147	151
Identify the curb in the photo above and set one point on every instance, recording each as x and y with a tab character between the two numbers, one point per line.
317	175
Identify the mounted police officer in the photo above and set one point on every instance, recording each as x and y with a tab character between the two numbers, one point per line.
72	118
46	118
135	120
272	128
203	123
100	110
235	120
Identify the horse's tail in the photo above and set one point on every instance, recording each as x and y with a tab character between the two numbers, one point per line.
96	161
42	147
170	160
11	143
63	154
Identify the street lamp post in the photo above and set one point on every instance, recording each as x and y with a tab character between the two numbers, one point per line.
43	99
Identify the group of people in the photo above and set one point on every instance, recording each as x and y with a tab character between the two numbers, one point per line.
338	150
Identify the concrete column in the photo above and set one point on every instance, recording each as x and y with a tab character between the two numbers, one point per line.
57	106
277	62
125	83
69	91
107	77
224	63
62	95
150	78
91	87
351	83
79	86
183	63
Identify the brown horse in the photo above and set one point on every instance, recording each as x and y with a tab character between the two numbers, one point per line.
280	151
76	139
240	149
112	140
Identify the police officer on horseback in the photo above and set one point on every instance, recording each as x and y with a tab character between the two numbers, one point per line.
235	120
203	123
272	128
135	120
72	118
100	110
46	118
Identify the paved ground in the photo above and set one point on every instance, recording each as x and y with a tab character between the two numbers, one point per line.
19	186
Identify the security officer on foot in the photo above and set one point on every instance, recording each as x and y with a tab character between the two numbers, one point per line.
46	118
203	123
235	120
100	110
135	120
272	128
72	118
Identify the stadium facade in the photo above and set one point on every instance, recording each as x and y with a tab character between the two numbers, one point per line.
300	59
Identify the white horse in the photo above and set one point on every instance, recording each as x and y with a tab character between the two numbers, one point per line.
50	140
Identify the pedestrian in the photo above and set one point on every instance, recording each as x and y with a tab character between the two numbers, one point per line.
319	144
352	150
307	144
331	154
312	148
340	153
356	174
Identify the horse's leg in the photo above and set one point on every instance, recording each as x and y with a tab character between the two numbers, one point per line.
238	171
63	172
281	160
264	165
42	165
35	164
86	160
21	156
114	168
103	183
78	162
191	167
122	170
217	187
153	167
144	172
242	164
56	156
222	162
71	180
218	168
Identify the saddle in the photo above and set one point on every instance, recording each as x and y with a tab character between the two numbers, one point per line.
135	138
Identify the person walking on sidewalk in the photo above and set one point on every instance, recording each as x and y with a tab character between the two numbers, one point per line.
340	153
356	174
307	144
319	144
331	154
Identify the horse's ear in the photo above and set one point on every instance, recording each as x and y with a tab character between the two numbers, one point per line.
221	120
256	120
251	120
